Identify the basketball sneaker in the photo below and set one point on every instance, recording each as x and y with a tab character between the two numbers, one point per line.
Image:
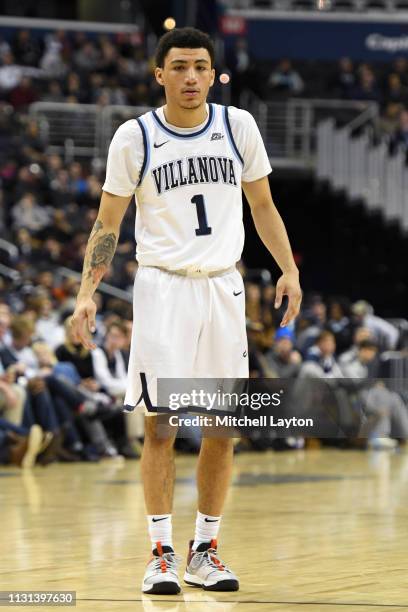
161	572
206	570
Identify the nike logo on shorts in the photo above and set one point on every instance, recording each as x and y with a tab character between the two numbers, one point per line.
237	293
156	146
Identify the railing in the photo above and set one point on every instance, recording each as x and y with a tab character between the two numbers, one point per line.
289	128
80	130
364	170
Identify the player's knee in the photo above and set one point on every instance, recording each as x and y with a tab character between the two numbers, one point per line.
159	436
218	444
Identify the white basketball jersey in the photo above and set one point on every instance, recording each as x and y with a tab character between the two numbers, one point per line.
189	200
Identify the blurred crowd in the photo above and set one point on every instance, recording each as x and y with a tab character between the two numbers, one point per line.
60	402
385	84
76	68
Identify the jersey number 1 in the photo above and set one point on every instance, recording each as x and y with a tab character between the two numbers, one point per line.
203	228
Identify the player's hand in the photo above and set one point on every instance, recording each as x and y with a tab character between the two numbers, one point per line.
288	285
83	323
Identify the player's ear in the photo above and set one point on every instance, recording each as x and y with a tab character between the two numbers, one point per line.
158	73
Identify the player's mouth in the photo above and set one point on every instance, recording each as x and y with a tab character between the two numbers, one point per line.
191	93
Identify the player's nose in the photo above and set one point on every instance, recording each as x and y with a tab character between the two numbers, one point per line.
191	76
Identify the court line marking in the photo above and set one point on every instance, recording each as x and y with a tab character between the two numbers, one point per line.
252	601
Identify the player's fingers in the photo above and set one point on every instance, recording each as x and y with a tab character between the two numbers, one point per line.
292	310
91	315
82	334
279	295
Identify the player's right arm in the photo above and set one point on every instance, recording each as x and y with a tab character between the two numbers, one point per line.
99	253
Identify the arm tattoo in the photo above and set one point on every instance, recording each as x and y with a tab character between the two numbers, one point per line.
101	256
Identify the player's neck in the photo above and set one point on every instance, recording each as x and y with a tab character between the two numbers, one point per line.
185	117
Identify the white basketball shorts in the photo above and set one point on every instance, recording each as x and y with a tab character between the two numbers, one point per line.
185	328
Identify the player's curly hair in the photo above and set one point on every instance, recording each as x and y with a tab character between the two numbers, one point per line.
184	38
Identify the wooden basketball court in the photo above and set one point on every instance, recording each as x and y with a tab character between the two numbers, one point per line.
309	531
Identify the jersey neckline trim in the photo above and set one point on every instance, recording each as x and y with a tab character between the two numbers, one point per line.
192	134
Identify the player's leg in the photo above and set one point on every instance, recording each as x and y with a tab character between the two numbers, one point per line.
158	472
163	346
222	353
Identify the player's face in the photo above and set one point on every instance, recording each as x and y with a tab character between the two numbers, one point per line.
186	77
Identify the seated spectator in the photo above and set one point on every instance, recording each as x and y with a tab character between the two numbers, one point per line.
285	79
29	214
23	95
73	352
389	121
282	359
361	334
362	365
344	80
26	48
395	91
108	362
385	334
386	415
313	322
320	361
53	93
339	324
400	68
366	87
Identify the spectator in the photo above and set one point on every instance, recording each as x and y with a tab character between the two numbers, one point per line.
108	362
388	123
285	79
339	324
28	214
26	49
87	58
361	365
385	334
344	80
282	359
385	411
366	88
23	95
400	68
315	319
361	334
53	93
320	360
396	92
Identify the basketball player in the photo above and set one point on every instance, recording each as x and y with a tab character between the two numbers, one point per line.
186	163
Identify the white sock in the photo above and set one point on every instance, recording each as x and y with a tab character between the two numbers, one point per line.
160	529
207	527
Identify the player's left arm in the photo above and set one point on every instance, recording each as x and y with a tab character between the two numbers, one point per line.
272	232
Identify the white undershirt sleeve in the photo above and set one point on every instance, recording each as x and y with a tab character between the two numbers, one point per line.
125	160
250	145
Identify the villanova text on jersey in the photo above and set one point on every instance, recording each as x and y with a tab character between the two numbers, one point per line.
193	171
